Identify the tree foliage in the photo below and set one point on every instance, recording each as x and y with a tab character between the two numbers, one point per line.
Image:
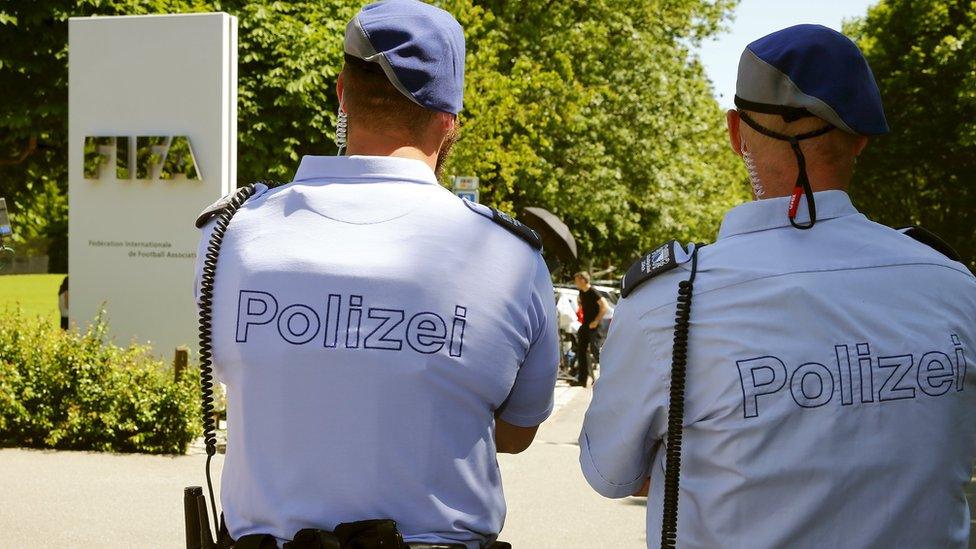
289	57
923	54
595	110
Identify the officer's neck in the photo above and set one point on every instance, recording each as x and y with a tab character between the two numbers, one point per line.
781	182
383	145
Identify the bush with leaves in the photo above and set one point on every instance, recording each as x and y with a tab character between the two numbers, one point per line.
73	391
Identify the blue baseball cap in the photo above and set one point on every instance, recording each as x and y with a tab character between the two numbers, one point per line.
811	70
419	47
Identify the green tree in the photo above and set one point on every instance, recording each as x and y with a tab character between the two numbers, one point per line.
595	110
923	54
289	57
42	228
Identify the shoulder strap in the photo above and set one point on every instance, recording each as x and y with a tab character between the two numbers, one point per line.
507	222
931	240
214	209
664	258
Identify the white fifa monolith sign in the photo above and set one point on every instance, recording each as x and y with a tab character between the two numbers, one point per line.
152	141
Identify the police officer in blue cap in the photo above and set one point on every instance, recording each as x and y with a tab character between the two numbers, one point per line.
802	382
380	339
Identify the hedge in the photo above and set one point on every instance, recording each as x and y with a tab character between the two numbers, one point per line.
70	390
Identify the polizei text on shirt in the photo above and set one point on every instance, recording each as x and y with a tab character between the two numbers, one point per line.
859	379
344	321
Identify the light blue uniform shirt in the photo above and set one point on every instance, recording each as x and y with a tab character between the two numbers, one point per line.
828	402
368	325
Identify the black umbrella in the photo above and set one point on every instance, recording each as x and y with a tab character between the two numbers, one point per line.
556	238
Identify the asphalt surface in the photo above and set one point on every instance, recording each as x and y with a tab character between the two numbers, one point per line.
550	505
85	499
81	499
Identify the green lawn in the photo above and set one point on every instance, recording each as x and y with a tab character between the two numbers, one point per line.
36	294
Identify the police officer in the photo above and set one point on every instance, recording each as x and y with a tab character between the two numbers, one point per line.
380	338
827	401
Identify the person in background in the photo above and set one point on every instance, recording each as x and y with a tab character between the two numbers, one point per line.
594	308
63	303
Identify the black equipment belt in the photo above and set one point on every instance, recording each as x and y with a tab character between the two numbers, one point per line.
322	541
363	534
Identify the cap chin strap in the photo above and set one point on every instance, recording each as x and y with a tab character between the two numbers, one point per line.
802	181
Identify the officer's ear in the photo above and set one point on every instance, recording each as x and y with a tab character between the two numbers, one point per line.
447	122
445	126
860	144
732	120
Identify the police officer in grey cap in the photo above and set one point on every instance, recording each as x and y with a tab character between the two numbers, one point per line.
380	338
803	381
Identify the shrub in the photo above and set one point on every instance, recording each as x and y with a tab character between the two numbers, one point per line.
70	390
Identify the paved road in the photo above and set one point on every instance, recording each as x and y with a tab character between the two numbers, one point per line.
81	499
549	503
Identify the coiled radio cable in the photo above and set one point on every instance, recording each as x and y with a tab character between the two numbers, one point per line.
206	327
679	364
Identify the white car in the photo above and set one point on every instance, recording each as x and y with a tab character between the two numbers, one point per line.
566	305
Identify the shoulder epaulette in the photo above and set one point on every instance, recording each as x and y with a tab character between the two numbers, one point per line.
664	258
219	206
508	222
213	209
931	240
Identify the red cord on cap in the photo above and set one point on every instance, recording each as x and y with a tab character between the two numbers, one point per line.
795	201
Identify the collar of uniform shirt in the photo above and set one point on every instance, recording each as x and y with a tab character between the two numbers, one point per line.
364	169
761	215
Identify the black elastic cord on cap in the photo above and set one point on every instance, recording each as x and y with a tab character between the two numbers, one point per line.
789	114
802	181
364	65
